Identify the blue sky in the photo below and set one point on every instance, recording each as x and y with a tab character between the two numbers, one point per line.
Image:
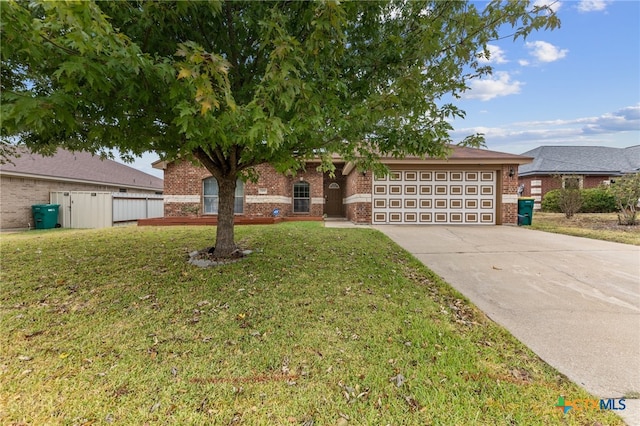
576	85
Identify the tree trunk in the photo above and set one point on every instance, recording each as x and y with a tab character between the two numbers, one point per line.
225	244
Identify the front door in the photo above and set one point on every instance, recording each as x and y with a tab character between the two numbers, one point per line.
333	199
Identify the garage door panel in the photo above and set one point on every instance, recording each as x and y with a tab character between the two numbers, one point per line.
435	197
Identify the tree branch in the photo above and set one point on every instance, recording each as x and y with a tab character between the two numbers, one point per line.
64	49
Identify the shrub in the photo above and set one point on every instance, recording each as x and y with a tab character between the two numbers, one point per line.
550	201
594	200
626	191
598	200
570	201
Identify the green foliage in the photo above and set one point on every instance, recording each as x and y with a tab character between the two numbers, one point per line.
594	200
626	191
597	200
257	81
236	84
550	201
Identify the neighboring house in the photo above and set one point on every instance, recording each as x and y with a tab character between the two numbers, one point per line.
555	167
32	177
472	186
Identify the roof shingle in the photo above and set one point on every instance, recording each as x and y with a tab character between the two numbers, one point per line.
584	160
80	166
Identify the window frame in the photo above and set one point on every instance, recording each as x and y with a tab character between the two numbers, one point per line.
238	205
578	178
296	199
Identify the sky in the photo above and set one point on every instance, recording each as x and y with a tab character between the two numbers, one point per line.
576	85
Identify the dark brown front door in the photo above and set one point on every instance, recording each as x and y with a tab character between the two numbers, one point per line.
333	199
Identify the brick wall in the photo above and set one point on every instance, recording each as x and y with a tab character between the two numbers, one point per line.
537	186
507	190
358	197
275	186
17	195
183	181
183	190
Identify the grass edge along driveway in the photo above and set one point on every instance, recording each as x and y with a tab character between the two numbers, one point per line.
318	326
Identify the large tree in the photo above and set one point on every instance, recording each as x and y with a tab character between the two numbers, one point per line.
236	84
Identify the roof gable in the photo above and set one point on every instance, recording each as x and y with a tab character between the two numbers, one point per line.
80	166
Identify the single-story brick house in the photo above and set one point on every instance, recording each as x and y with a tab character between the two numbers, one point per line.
30	179
555	167
472	186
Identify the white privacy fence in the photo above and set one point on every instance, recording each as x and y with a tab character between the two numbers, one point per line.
91	209
128	207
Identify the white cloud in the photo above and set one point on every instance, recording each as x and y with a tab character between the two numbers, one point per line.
500	84
496	55
523	62
619	128
592	5
545	52
623	120
553	5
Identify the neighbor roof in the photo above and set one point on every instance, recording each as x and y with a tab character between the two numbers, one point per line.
467	154
79	167
583	160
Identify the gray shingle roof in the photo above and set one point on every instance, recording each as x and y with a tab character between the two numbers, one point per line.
80	166
584	160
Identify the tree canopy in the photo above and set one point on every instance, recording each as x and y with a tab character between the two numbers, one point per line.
237	84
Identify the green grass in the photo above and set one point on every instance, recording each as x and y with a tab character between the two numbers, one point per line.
598	226
318	325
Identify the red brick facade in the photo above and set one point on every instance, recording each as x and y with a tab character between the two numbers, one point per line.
184	191
358	197
508	181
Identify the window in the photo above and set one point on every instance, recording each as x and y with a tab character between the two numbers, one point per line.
301	197
210	196
572	182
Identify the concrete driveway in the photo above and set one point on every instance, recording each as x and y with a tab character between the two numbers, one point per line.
574	301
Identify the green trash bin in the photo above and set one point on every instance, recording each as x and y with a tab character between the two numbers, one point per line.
45	216
525	210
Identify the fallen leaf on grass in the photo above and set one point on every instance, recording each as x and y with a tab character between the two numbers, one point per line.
413	403
398	380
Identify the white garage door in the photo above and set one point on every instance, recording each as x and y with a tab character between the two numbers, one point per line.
435	197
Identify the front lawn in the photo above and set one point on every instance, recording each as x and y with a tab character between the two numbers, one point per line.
599	226
318	326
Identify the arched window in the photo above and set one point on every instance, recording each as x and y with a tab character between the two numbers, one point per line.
210	196
301	197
